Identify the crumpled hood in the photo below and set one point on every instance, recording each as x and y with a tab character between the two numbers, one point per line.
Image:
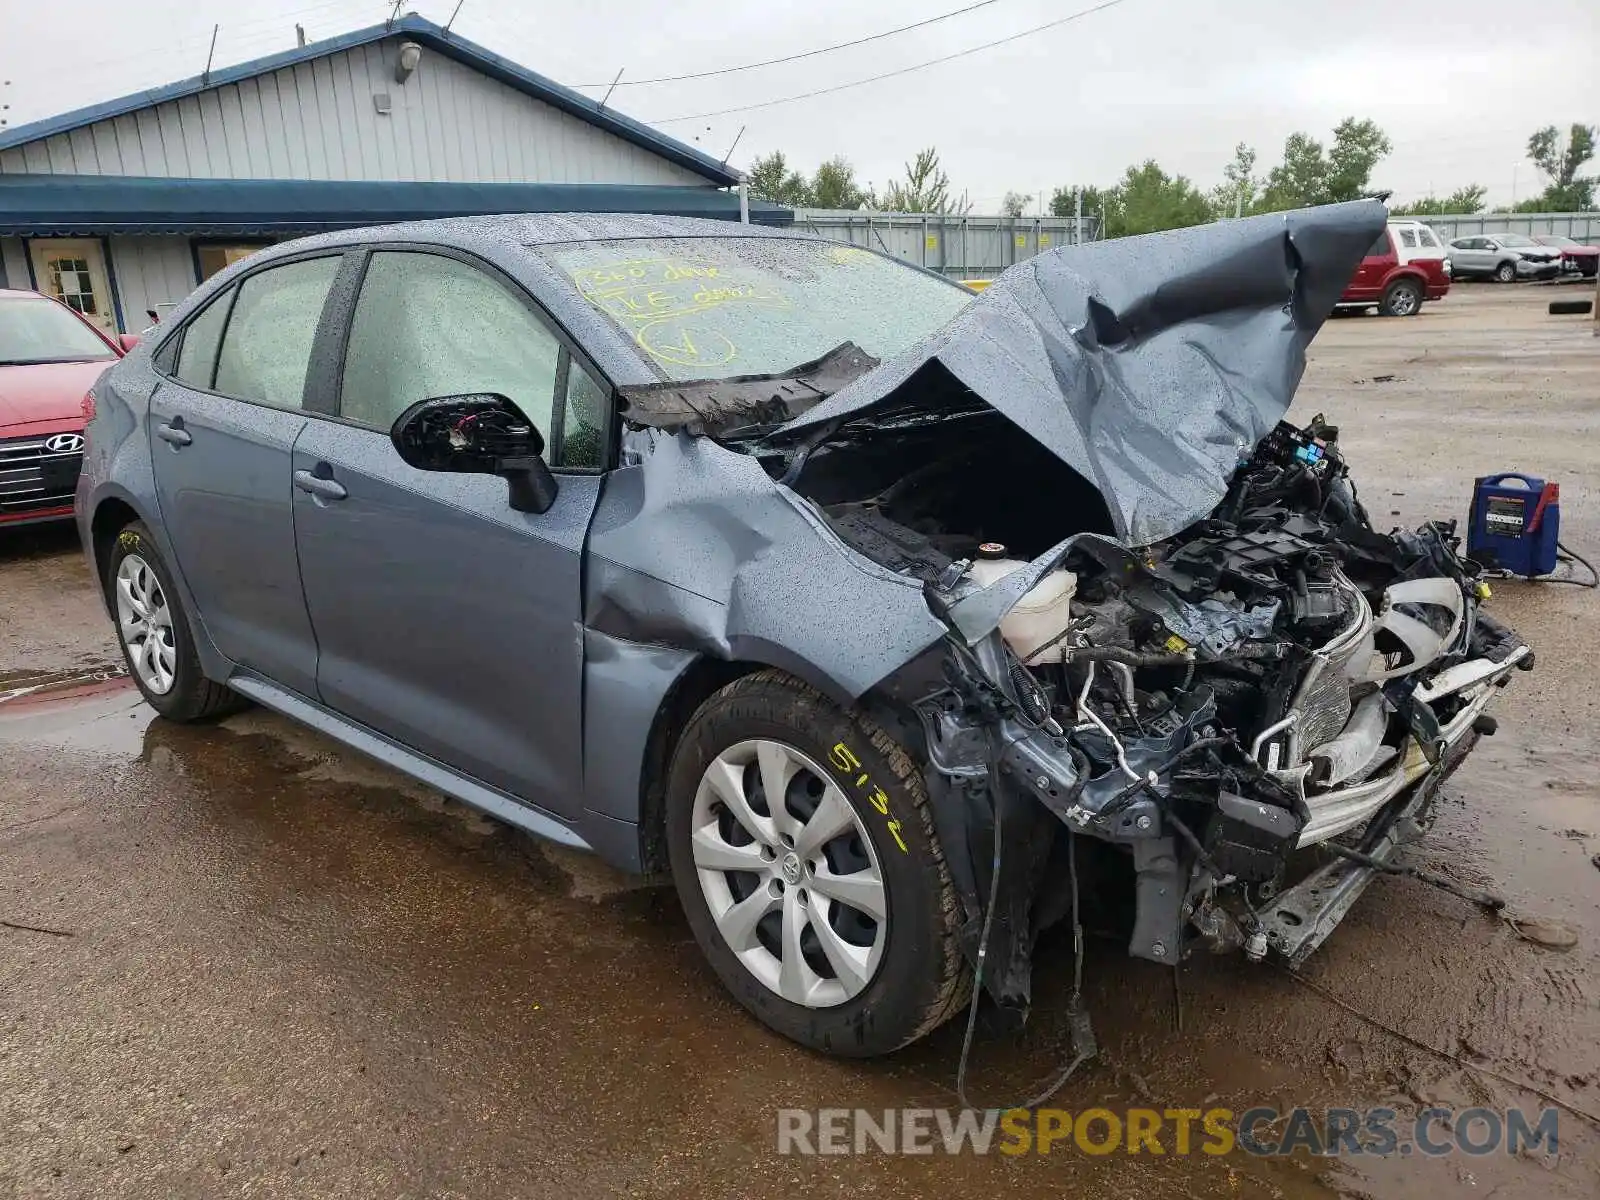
1150	365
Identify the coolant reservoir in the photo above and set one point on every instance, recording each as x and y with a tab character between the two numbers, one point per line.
1038	616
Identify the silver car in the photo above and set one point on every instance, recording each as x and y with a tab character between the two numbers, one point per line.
1503	257
863	607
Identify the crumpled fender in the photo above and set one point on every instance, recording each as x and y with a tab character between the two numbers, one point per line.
697	547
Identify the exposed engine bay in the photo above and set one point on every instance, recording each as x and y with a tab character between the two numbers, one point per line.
1275	676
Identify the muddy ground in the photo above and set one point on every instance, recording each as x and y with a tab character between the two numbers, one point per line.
261	965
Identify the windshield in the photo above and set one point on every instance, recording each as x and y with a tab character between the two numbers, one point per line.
714	307
36	330
1515	239
1554	239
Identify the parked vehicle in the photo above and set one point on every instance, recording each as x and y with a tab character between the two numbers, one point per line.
1503	257
49	355
853	600
1576	257
1404	267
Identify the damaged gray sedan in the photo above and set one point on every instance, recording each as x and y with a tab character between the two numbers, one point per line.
866	609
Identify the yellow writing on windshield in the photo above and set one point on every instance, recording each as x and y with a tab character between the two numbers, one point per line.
655	296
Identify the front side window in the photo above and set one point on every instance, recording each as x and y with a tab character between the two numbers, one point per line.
715	307
266	349
197	358
36	330
427	326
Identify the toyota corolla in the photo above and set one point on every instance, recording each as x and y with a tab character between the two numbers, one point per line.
863	607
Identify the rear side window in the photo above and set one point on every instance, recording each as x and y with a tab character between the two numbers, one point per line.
1408	237
267	346
1380	248
197	360
1427	238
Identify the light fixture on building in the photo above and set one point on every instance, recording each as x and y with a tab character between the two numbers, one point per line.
410	56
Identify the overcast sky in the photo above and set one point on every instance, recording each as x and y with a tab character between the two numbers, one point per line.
1180	81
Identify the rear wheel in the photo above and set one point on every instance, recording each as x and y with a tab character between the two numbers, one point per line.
1506	272
803	852
1402	298
153	630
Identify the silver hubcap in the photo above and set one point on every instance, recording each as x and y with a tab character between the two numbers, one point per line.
144	623
1403	301
789	874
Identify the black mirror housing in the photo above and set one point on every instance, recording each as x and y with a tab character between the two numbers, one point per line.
485	434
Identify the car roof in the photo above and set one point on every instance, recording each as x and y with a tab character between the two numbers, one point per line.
512	241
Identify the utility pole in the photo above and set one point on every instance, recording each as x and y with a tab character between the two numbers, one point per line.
1077	218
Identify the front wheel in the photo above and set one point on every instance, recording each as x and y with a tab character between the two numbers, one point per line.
1506	272
1403	298
804	856
153	630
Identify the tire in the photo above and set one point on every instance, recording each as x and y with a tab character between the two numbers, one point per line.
1506	272
147	612
1402	298
904	973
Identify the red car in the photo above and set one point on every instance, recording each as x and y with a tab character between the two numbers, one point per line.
1575	256
49	358
1405	266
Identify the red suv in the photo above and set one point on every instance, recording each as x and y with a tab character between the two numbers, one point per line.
49	358
1405	266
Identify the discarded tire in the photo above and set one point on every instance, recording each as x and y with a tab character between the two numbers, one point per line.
1562	308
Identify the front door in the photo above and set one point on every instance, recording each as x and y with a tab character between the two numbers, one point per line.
445	619
73	270
221	435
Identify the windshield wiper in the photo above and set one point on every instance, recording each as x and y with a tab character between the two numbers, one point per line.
709	407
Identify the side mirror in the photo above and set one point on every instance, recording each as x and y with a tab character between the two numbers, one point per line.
127	341
481	434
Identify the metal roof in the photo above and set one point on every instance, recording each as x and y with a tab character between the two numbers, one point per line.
426	33
65	205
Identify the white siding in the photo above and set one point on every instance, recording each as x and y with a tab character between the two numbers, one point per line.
13	263
317	120
150	271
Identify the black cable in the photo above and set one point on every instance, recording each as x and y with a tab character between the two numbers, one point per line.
932	62
1083	1043
788	58
1594	576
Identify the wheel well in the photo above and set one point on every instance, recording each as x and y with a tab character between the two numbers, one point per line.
110	519
699	681
1411	277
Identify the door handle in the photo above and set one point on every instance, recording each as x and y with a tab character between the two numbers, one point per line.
321	487
174	433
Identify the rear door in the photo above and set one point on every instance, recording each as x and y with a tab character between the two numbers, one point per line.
445	619
221	430
1368	283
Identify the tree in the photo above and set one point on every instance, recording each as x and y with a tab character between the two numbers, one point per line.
834	186
1014	204
1145	200
771	179
1467	199
1560	164
1357	148
1148	199
1300	180
1236	195
926	188
1309	176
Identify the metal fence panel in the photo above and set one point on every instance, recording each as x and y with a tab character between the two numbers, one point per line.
1584	226
969	247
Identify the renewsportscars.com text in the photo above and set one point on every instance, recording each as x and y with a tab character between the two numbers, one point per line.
1263	1132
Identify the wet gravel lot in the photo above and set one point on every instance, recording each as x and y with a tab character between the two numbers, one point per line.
240	960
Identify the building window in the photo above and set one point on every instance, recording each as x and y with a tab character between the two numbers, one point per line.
213	256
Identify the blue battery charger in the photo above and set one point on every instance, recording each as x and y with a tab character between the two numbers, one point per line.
1515	528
